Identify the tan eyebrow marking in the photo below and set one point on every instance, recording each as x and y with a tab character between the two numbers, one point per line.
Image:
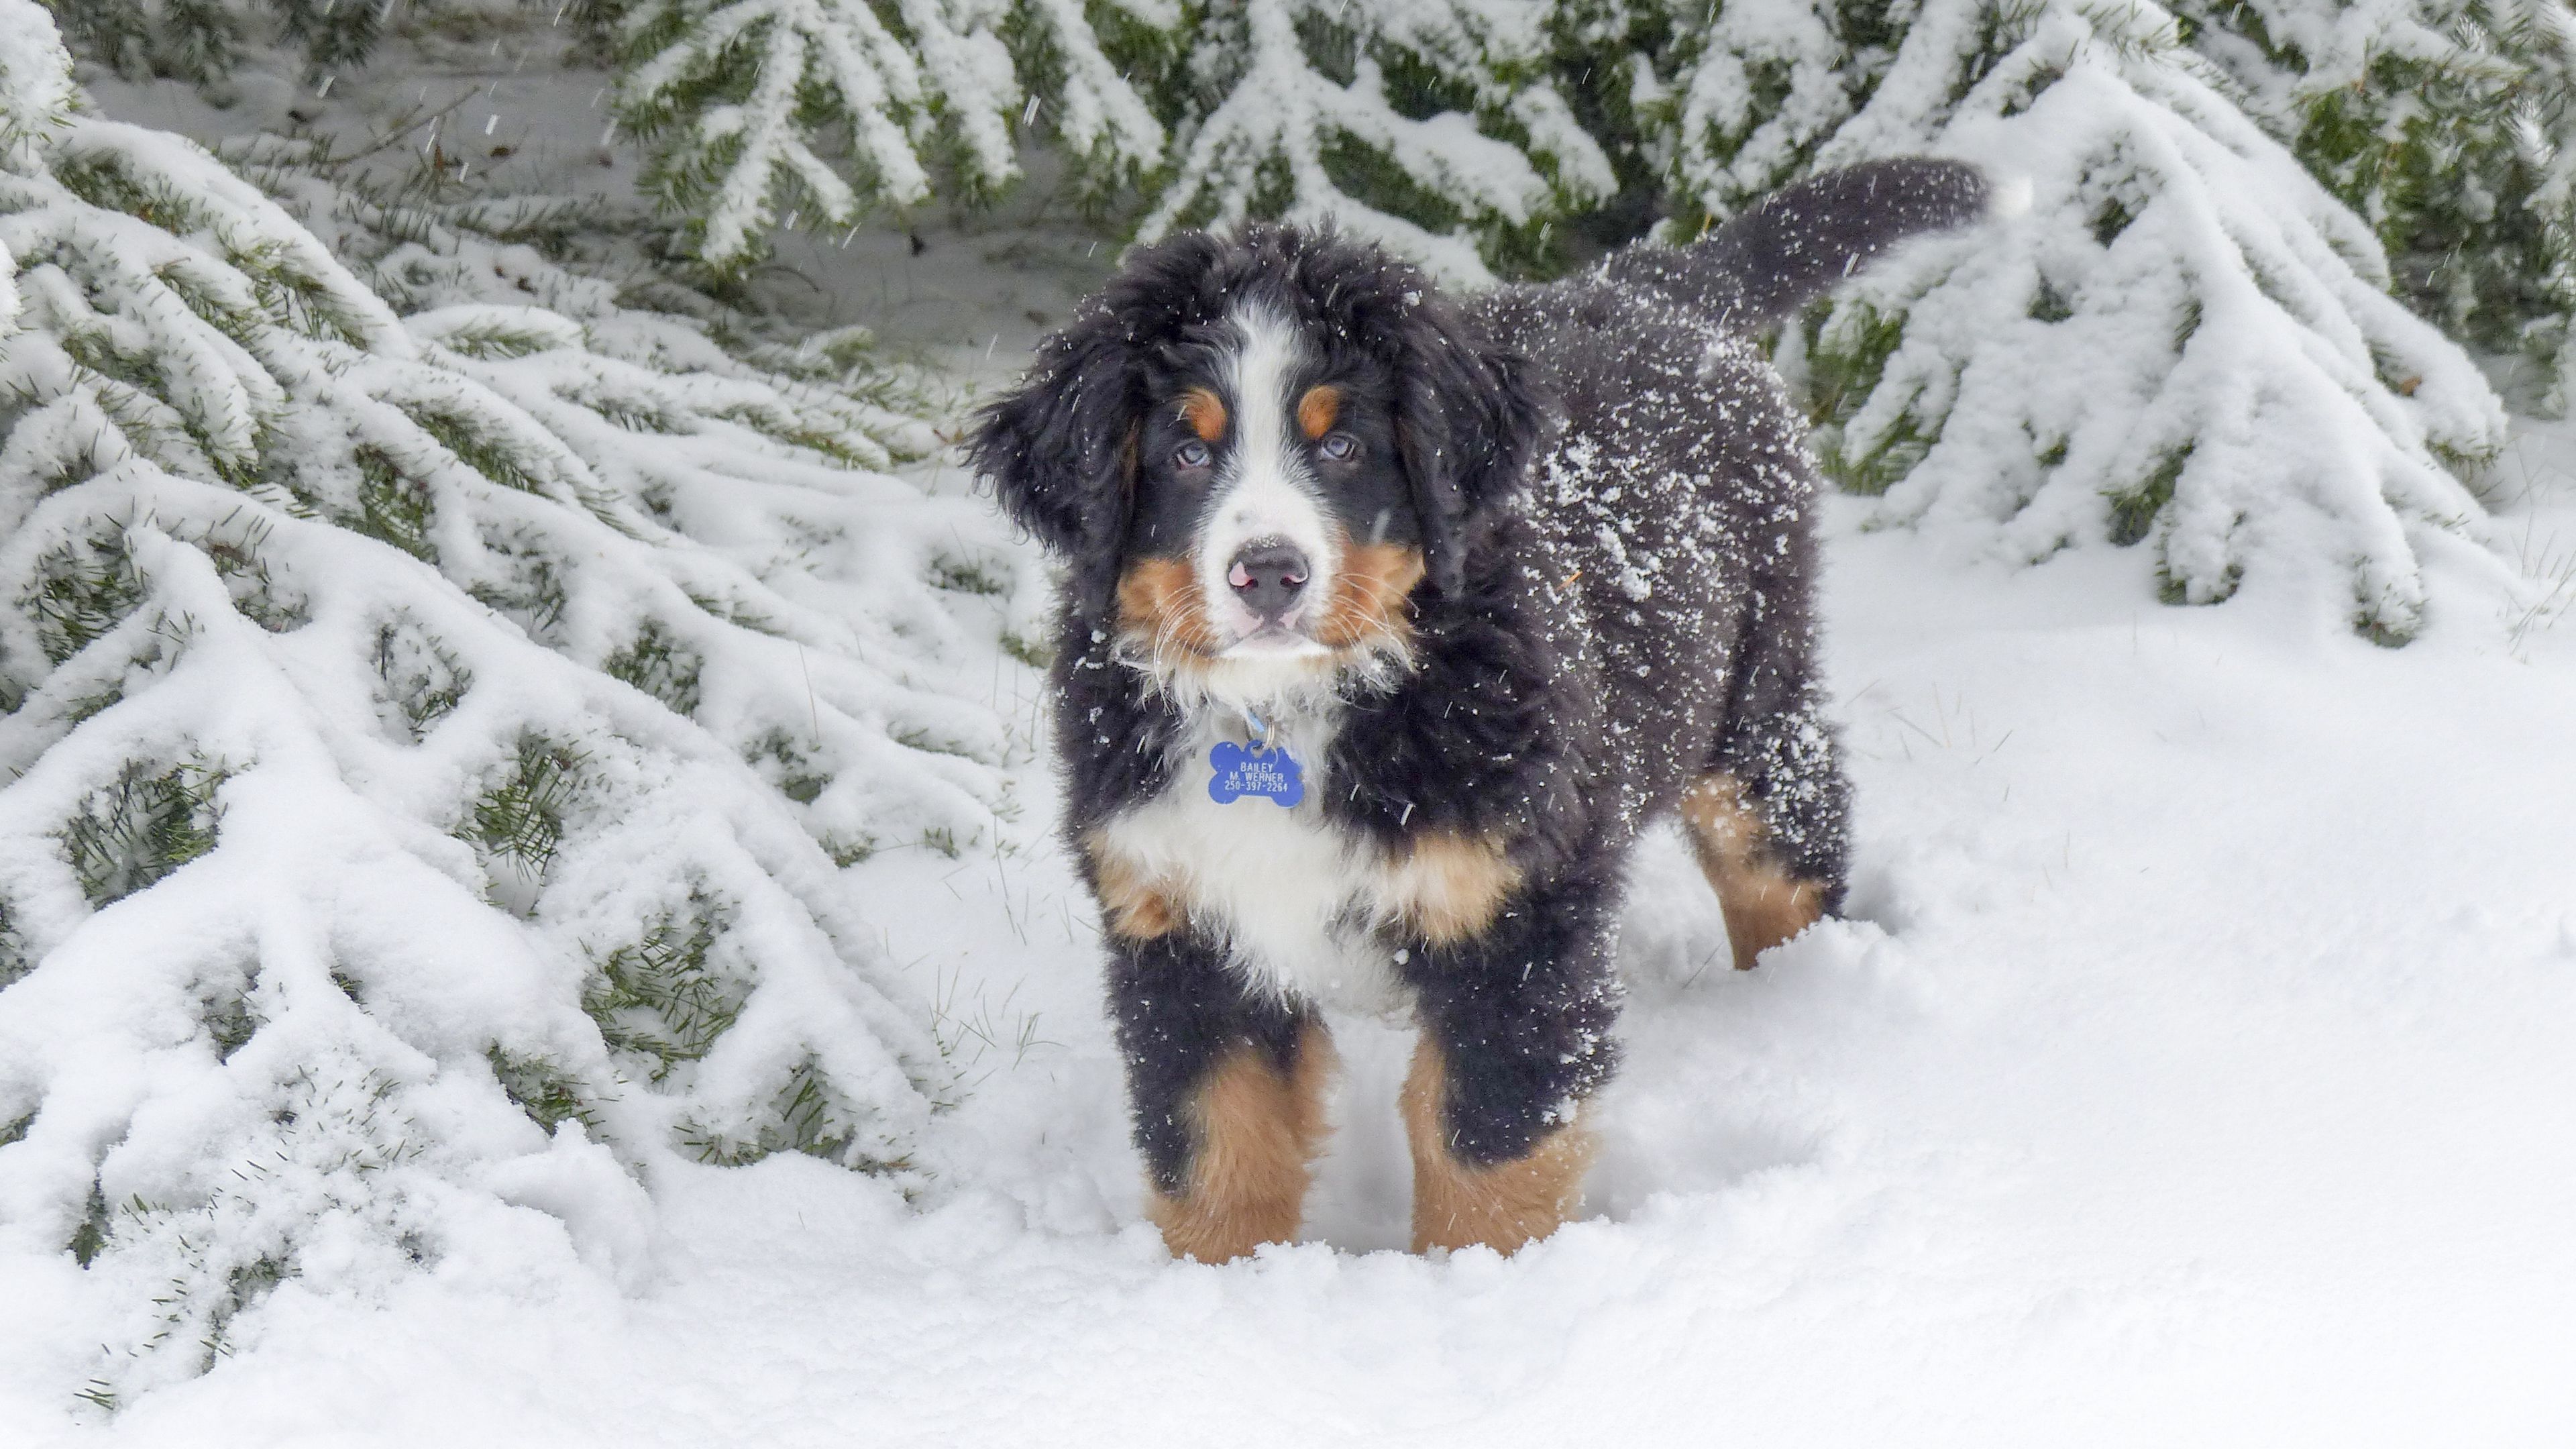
1205	412
1317	409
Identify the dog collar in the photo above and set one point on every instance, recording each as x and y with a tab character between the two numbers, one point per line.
1262	770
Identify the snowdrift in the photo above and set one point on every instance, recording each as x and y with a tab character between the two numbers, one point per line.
435	744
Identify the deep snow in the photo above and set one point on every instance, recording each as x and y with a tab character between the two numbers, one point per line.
2194	1067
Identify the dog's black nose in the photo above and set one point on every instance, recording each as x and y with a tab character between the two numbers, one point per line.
1268	576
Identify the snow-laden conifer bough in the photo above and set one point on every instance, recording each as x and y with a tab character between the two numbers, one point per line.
1226	112
740	93
432	744
2190	343
1460	132
1290	141
2187	341
2192	346
2450	125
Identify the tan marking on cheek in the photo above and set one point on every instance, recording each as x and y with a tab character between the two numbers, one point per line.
1317	410
1504	1206
1257	1132
1134	902
1765	905
1371	591
1160	604
1447	886
1205	413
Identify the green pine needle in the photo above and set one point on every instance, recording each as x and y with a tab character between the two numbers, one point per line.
133	832
521	820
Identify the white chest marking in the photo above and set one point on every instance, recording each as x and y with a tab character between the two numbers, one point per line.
1293	896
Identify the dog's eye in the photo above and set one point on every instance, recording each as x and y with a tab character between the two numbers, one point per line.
1192	454
1340	447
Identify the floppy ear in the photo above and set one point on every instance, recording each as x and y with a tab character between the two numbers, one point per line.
1468	418
1061	451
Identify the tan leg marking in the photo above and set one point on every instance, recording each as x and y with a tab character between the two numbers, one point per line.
1134	902
1448	886
1504	1206
1257	1135
1371	593
1317	409
1205	413
1765	905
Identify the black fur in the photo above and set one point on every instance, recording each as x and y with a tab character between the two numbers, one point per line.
1800	241
1469	415
1061	449
1615	507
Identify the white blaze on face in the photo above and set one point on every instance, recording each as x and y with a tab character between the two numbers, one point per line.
1264	490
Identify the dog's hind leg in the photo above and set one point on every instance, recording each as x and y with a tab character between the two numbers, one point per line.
1765	902
1515	1037
1769	818
1228	1092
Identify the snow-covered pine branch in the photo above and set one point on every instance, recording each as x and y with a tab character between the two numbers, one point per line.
423	241
2451	126
1318	122
1751	88
432	744
765	114
1430	125
2187	341
203	40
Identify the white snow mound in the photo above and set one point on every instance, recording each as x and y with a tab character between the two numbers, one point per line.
434	745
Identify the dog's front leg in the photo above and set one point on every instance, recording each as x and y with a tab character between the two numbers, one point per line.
1228	1092
1515	1037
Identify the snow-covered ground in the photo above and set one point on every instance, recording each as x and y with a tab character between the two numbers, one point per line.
2194	1067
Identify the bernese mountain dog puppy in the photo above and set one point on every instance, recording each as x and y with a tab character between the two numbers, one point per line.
1390	620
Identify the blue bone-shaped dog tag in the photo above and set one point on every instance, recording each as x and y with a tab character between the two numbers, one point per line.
1271	774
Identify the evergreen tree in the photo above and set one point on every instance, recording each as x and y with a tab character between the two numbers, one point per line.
432	741
2451	127
1463	132
1737	96
203	40
744	100
1430	126
2188	341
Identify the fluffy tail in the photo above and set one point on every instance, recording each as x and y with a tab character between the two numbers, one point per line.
1764	264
